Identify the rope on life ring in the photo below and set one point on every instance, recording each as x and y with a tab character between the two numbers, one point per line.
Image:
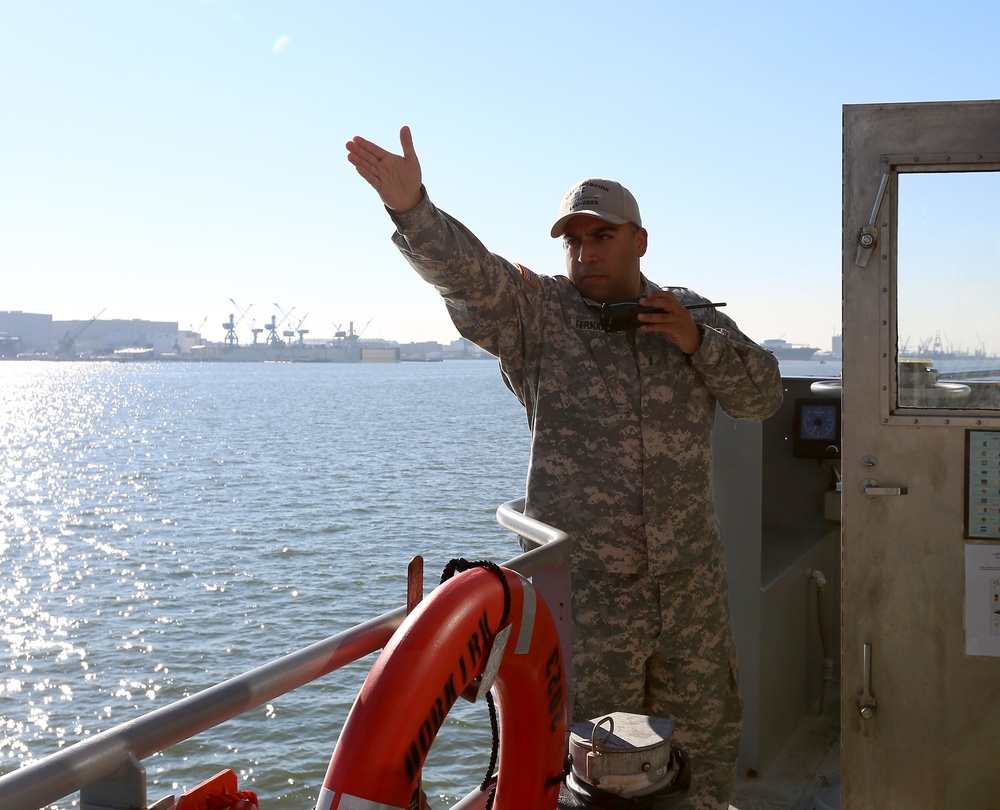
441	648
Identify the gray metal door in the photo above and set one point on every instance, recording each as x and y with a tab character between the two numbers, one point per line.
921	456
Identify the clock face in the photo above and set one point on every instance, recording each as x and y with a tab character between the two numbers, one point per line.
819	422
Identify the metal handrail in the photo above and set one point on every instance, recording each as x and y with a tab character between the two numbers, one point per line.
96	758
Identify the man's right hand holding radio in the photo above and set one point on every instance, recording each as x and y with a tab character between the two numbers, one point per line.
674	322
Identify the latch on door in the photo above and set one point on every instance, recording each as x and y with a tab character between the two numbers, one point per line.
871	489
868	238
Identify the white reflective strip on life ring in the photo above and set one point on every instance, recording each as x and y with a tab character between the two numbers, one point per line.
530	605
348	802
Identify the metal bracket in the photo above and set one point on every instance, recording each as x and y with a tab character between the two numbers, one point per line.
122	790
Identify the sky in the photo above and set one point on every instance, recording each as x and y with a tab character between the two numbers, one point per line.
181	161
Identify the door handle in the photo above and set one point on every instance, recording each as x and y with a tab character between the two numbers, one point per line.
866	700
871	489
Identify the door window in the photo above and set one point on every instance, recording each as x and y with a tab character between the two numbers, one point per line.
948	290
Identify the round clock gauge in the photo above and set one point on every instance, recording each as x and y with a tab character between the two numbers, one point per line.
819	422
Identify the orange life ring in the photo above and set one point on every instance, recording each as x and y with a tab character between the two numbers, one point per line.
438	650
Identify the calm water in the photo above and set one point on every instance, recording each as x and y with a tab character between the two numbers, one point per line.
166	526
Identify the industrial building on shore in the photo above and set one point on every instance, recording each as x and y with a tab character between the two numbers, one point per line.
35	336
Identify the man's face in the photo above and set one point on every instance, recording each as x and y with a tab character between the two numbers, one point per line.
602	259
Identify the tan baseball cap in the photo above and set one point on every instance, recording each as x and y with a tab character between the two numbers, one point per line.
604	199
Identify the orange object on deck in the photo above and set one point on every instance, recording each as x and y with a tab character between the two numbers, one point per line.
441	648
221	792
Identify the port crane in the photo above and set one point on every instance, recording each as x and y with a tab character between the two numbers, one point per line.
350	334
233	322
272	332
285	316
300	331
68	341
256	330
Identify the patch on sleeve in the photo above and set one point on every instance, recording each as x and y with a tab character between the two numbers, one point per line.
527	275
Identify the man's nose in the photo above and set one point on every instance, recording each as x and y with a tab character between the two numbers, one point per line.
585	253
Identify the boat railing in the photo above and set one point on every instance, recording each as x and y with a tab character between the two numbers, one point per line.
107	768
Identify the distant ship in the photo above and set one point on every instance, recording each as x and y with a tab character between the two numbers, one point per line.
339	351
346	347
784	350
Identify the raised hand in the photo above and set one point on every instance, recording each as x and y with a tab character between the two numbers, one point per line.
396	178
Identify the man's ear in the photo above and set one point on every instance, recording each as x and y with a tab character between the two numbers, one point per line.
641	237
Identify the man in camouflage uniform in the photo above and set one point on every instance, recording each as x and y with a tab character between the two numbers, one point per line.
621	456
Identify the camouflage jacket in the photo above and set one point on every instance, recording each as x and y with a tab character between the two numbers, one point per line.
621	454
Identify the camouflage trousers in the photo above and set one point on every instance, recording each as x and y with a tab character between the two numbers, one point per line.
662	646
